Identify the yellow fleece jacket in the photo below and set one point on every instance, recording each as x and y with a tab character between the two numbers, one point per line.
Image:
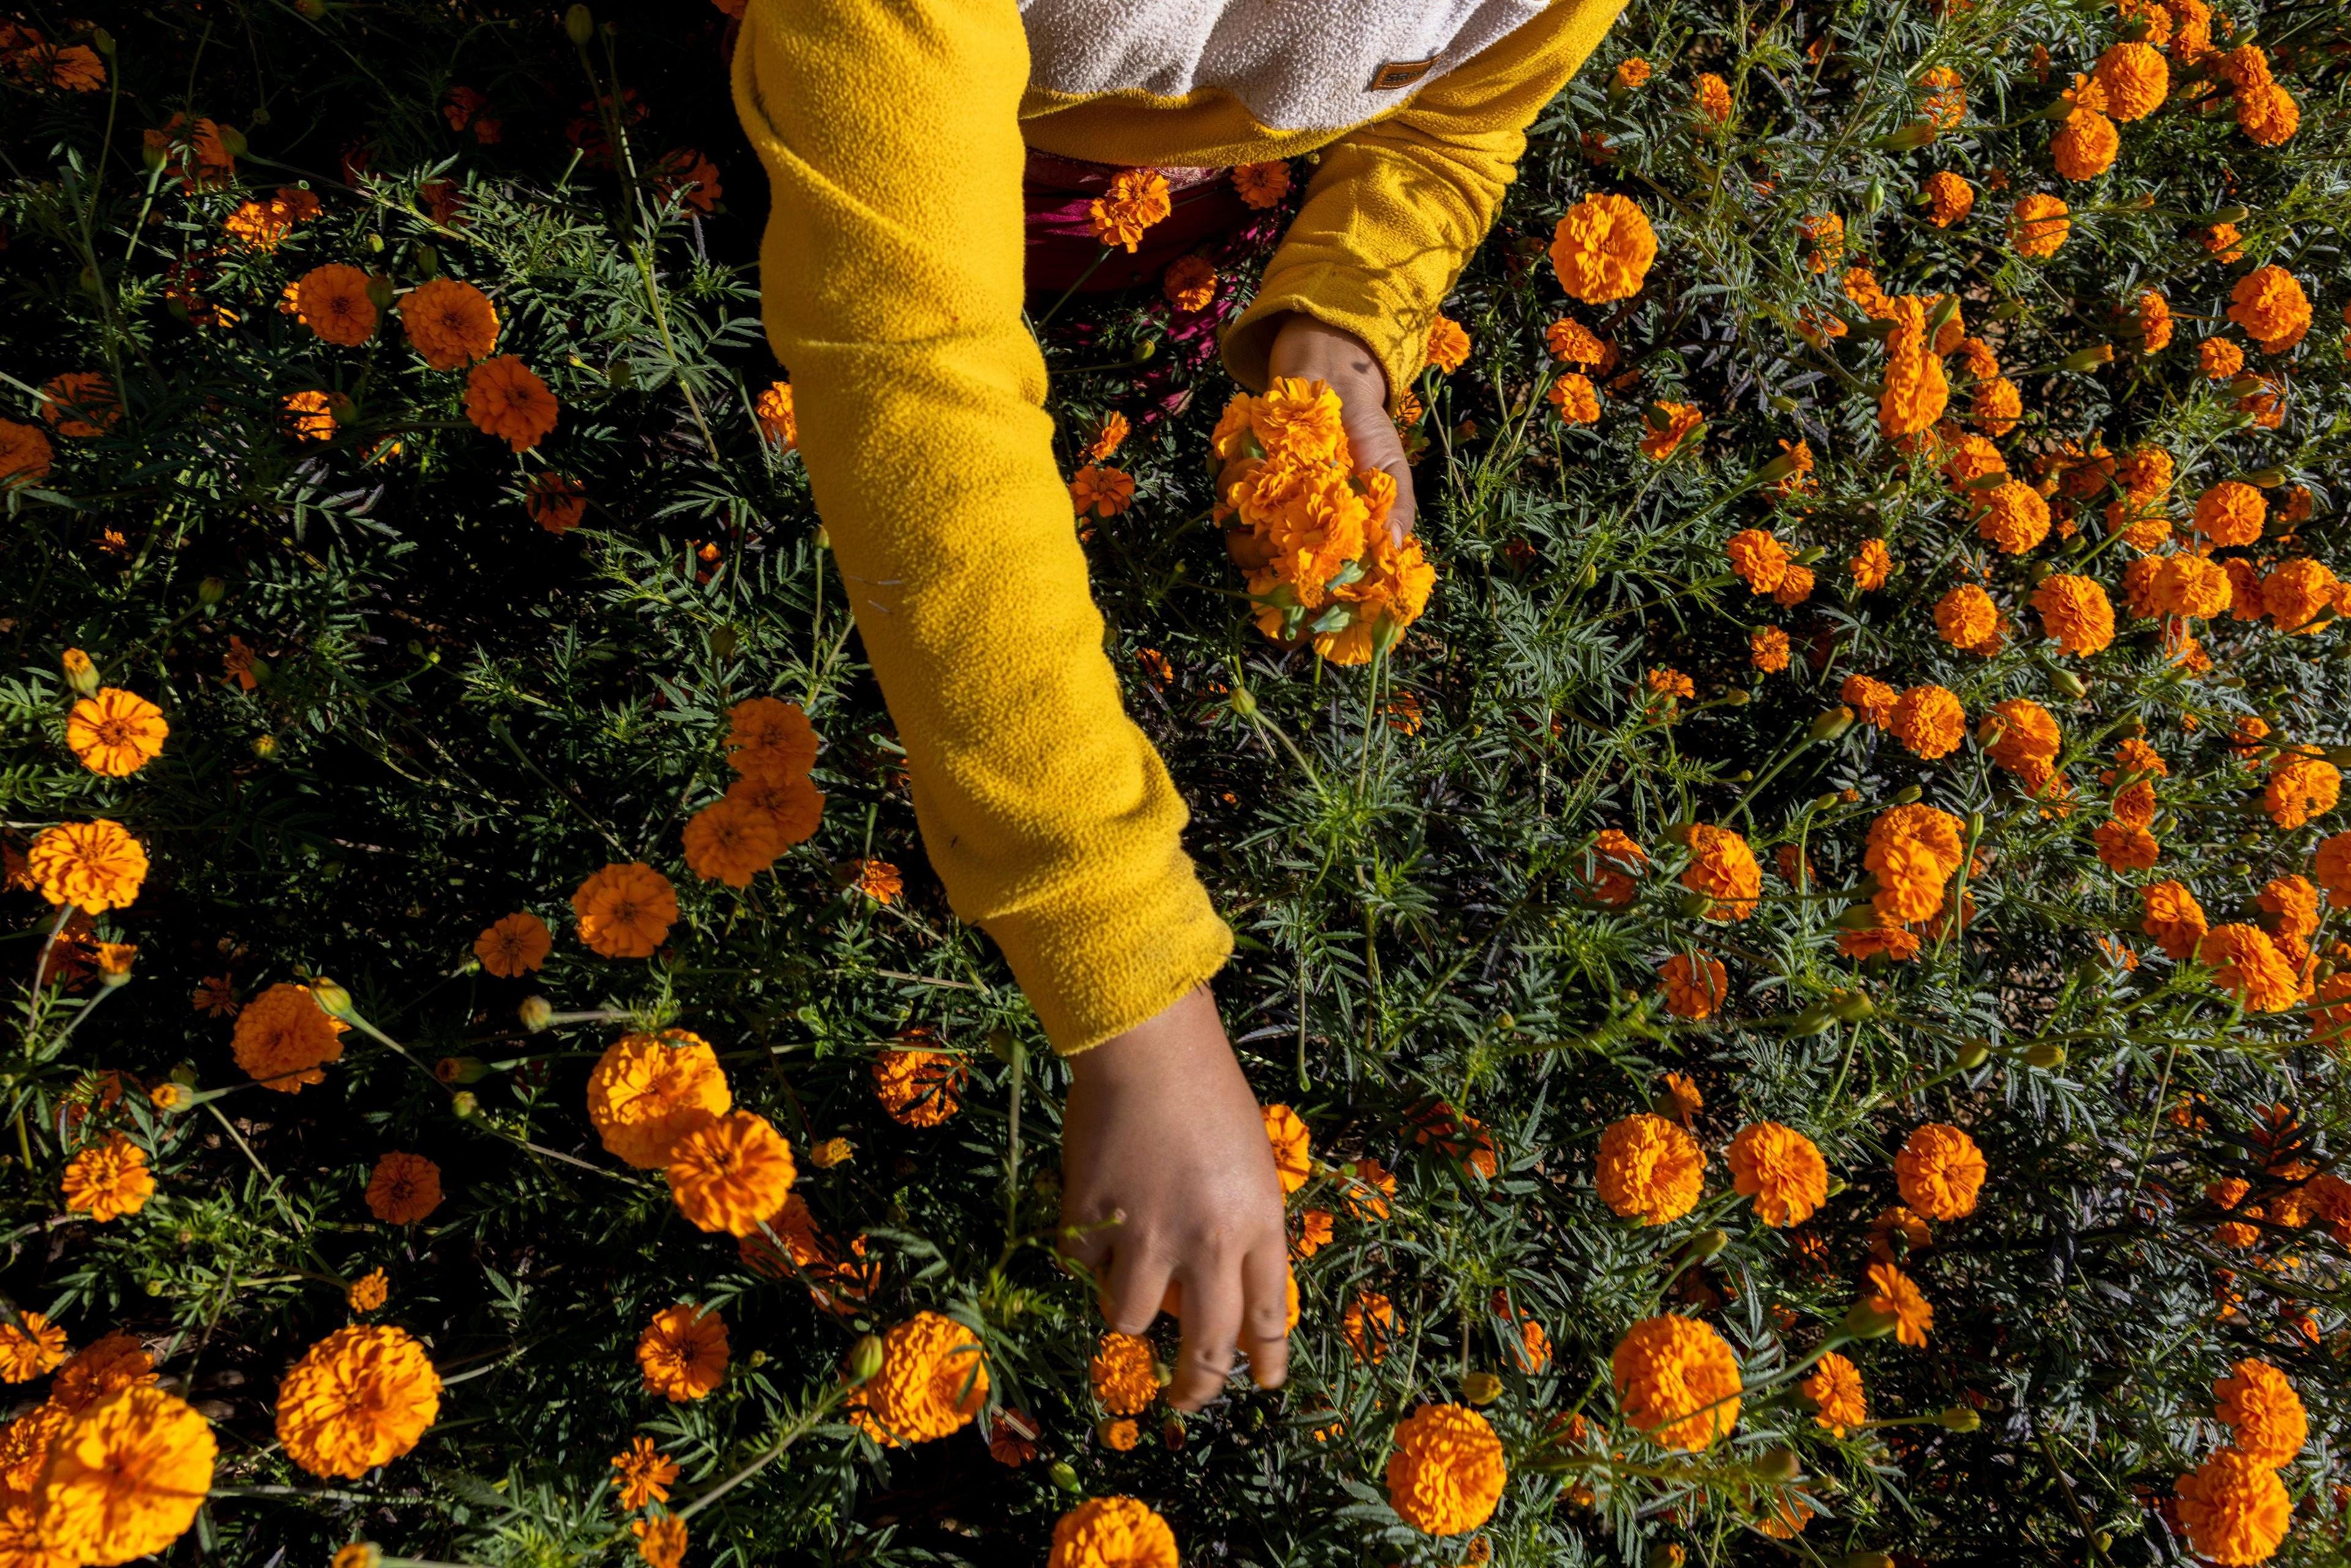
895	134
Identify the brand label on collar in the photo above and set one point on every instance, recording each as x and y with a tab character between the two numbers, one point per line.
1400	73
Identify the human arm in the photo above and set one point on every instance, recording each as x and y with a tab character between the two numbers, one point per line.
1396	206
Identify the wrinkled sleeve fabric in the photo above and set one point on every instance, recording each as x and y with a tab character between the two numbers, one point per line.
1396	205
890	281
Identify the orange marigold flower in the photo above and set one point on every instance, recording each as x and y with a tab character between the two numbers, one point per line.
1105	492
2037	226
1293	1157
284	1038
2021	737
1444	1472
29	1347
1572	342
1996	404
1871	566
2191	585
1649	1169
2300	789
2125	846
769	735
2134	79
1368	1325
1112	1531
1137	198
2265	1412
2086	145
1929	721
648	1090
2267	114
645	1473
450	324
662	1541
1782	1170
360	1398
732	840
1723	868
1834	1392
1940	1172
403	1188
933	1381
2234	1509
1122	1375
2332	866
108	1179
2230	513
123	1479
625	911
1918	389
1574	399
1666	426
1448	345
1966	618
24	455
1602	249
514	945
1693	986
313	414
1678	1381
556	502
790	801
504	398
2014	517
1949	198
2269	305
80	403
731	1174
2247	964
917	1085
1759	560
1890	942
1631	74
2219	359
104	1368
1711	101
778	421
2076	612
332	301
683	1354
2154	313
1262	185
368	1292
1768	650
116	733
2173	918
2298	593
1893	1294
1669	684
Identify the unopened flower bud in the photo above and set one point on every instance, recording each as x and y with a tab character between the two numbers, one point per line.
1244	702
832	1152
578	25
1063	1475
1907	795
1832	723
536	1012
211	591
1867	1560
1708	1244
1736	697
1909	138
1811	1020
1853	1005
1171	1433
1864	1322
465	1106
460	1070
1959	1418
330	996
81	672
102	41
2045	1055
231	138
1779	1465
1972	1055
2072	685
2231	214
2266	478
865	1355
1480	1387
2089	359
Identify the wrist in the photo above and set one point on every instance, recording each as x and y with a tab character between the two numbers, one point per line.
1186	1032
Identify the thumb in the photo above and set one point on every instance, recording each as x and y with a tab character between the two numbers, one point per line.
1371	437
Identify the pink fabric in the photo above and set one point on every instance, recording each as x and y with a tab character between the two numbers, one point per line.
1062	248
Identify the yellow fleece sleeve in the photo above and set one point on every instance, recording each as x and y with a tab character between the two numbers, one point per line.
1397	205
890	282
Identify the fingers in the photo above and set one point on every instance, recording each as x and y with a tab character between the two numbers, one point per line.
1264	1324
1138	1281
1212	1322
1089	1246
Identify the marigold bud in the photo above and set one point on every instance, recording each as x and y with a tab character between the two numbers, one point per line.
2072	685
331	997
1959	1418
2045	1055
1244	702
1708	1244
1480	1387
211	591
232	140
865	1359
1061	1474
465	1106
1853	1005
1779	1464
460	1070
1973	1055
1832	723
578	25
102	41
536	1012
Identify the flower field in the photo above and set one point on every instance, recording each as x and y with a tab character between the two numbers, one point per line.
1792	940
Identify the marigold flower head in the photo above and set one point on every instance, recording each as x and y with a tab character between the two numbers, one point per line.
1104	492
450	324
1871	566
1834	1392
662	1541
1965	617
1893	1293
1448	345
80	403
2037	226
933	1381
2013	518
514	945
2234	1509
2021	737
504	398
1781	1169
1693	986
1136	199
2265	1412
1712	98
1940	1171
1293	1155
102	1368
1112	1533
2267	114
1768	650
24	455
1262	185
1929	721
116	733
29	1347
2269	305
2230	513
2134	79
2084	146
777	418
555	502
2154	312
2075	611
2248	965
732	840
1603	248
403	1188
625	911
361	1397
1918	389
1650	1169
1124	1375
1446	1471
1572	342
731	1173
1668	424
332	301
2300	789
368	1292
94	866
2298	593
648	1090
1724	869
683	1354
284	1038
1678	1381
1369	1326
1949	198
1575	399
125	1478
2332	866
918	1086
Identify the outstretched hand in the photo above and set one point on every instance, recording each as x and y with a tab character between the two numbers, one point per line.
1167	1172
1306	347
